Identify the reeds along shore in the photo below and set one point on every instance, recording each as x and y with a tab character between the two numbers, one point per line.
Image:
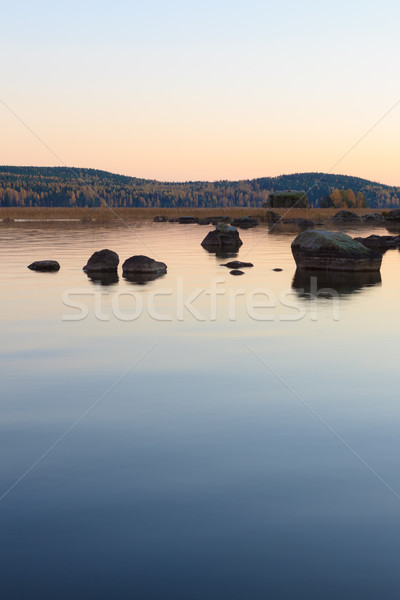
104	215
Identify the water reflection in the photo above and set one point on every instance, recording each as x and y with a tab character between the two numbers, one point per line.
103	278
142	278
318	283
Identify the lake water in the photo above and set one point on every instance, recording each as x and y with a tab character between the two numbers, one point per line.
165	440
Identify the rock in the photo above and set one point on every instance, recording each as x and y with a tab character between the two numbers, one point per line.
303	223
346	215
380	241
160	219
277	270
332	251
392	215
103	260
236	272
375	217
143	265
206	221
175	220
225	238
44	265
245	222
272	217
185	220
237	264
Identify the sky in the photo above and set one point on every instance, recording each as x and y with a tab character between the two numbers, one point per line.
187	90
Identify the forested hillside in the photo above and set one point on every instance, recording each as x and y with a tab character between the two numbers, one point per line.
62	186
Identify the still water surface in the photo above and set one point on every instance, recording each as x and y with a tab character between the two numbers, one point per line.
213	450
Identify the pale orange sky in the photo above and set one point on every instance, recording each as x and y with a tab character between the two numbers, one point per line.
207	91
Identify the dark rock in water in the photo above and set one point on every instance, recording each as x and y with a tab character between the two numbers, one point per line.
221	219
44	265
184	220
206	221
141	278
303	223
103	277
321	283
245	222
237	264
225	238
143	265
380	242
160	219
277	269
103	260
272	217
346	215
236	272
332	251
373	218
175	220
392	215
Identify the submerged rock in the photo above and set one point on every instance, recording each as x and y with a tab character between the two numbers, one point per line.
143	265
346	215
236	272
237	264
332	251
103	261
44	265
225	238
277	270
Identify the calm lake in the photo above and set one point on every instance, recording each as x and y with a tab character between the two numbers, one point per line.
199	436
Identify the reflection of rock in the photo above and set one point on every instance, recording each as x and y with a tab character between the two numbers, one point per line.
142	278
103	260
346	215
332	251
44	265
225	238
245	222
237	264
143	265
380	242
103	277
313	283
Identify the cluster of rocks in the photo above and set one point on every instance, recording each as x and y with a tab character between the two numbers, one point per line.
137	267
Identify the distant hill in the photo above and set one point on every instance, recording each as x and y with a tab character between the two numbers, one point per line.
62	186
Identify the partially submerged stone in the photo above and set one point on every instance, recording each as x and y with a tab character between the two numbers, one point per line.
346	215
143	265
333	251
236	272
237	264
102	261
160	219
246	222
225	238
380	242
44	265
186	219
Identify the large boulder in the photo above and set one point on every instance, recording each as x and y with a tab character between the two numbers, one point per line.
44	265
225	238
246	222
346	215
333	251
102	261
143	265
